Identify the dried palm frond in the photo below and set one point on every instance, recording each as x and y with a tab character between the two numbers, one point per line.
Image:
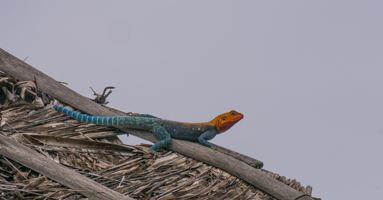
124	168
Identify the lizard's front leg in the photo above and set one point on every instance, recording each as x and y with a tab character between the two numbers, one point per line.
204	137
161	133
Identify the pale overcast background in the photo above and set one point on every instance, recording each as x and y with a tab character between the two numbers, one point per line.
307	75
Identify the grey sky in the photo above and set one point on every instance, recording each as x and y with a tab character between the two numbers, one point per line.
307	75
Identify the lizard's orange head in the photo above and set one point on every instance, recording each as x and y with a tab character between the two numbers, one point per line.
225	121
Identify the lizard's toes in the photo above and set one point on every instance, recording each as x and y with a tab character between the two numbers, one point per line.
153	151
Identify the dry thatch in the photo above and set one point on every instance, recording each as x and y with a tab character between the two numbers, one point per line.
28	117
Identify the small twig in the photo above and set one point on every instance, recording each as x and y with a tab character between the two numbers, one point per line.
123	178
101	98
49	196
86	136
64	83
22	190
14	167
11	127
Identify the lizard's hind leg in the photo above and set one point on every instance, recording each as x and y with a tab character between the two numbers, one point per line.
161	133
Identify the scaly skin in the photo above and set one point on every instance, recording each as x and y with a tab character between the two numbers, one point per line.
165	129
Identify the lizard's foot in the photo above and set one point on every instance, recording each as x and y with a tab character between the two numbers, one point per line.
153	151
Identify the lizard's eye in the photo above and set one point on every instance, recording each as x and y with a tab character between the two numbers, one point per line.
223	118
233	113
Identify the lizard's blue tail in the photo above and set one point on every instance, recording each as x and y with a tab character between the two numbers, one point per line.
111	121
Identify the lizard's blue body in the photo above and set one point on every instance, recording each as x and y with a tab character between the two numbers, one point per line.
162	129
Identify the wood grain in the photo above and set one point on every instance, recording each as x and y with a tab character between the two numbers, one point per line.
46	166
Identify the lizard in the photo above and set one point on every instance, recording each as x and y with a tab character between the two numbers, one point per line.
163	129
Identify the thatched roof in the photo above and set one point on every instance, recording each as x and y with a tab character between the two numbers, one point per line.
94	151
